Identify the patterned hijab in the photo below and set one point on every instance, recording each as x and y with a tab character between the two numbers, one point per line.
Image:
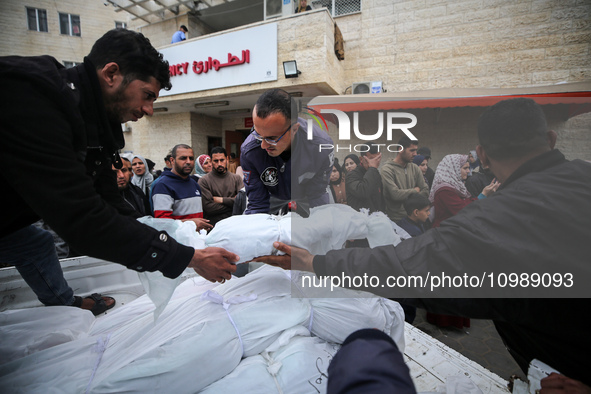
448	175
199	171
144	181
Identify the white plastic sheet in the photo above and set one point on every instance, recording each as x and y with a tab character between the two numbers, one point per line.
195	342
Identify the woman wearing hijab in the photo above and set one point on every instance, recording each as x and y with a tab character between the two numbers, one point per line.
448	196
422	162
202	166
350	163
474	161
337	184
141	175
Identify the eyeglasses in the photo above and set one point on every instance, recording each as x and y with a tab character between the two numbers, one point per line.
269	141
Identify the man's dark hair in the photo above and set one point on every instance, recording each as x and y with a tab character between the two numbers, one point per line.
274	101
218	149
233	155
136	57
126	159
168	157
415	201
181	146
405	142
373	149
184	28
512	128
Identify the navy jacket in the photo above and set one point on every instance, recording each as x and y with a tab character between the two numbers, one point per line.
304	163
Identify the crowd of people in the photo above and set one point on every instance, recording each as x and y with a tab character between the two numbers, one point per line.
91	196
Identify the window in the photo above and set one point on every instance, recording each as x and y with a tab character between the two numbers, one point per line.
70	24
120	25
37	19
338	7
69	64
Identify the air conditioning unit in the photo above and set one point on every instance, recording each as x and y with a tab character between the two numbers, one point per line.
367	87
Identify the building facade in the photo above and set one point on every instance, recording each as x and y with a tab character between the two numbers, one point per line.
390	46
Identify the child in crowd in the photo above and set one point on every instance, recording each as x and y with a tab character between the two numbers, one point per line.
417	208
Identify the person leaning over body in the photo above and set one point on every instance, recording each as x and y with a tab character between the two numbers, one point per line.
528	224
71	118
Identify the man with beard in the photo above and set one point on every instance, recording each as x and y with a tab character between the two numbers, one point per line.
219	188
178	195
401	178
132	195
69	120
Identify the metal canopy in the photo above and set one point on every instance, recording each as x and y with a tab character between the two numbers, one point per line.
151	11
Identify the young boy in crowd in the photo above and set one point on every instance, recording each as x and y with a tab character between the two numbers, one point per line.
417	209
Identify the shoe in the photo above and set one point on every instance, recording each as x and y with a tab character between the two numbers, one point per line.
100	306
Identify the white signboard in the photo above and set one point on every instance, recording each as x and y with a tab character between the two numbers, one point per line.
236	58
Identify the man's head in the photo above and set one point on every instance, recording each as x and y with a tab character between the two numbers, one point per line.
372	153
184	29
510	133
183	160
272	121
219	160
425	152
408	152
123	175
417	207
168	160
131	73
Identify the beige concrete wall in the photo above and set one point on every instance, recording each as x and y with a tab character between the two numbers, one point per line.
158	134
202	127
417	45
16	39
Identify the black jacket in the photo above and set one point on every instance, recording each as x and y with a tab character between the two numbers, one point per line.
364	189
537	222
136	198
56	150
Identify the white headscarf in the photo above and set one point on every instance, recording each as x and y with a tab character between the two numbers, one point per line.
144	181
448	174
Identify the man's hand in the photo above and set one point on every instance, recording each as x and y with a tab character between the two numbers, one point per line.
294	258
375	162
202	224
417	189
218	200
560	384
214	264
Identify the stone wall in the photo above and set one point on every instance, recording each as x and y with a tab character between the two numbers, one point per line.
418	45
16	38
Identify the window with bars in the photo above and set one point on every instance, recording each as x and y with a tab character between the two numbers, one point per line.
70	24
120	25
37	19
338	7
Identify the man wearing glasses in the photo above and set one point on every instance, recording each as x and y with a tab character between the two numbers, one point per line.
278	151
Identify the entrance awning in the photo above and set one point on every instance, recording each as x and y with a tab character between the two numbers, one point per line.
576	95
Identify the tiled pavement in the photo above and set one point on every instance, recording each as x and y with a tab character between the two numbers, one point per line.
480	343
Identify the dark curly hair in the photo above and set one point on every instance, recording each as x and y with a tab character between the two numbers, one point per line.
136	57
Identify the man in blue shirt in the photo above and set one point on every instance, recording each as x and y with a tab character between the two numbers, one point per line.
179	35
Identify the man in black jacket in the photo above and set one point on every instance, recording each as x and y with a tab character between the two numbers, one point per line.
530	239
364	184
60	131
